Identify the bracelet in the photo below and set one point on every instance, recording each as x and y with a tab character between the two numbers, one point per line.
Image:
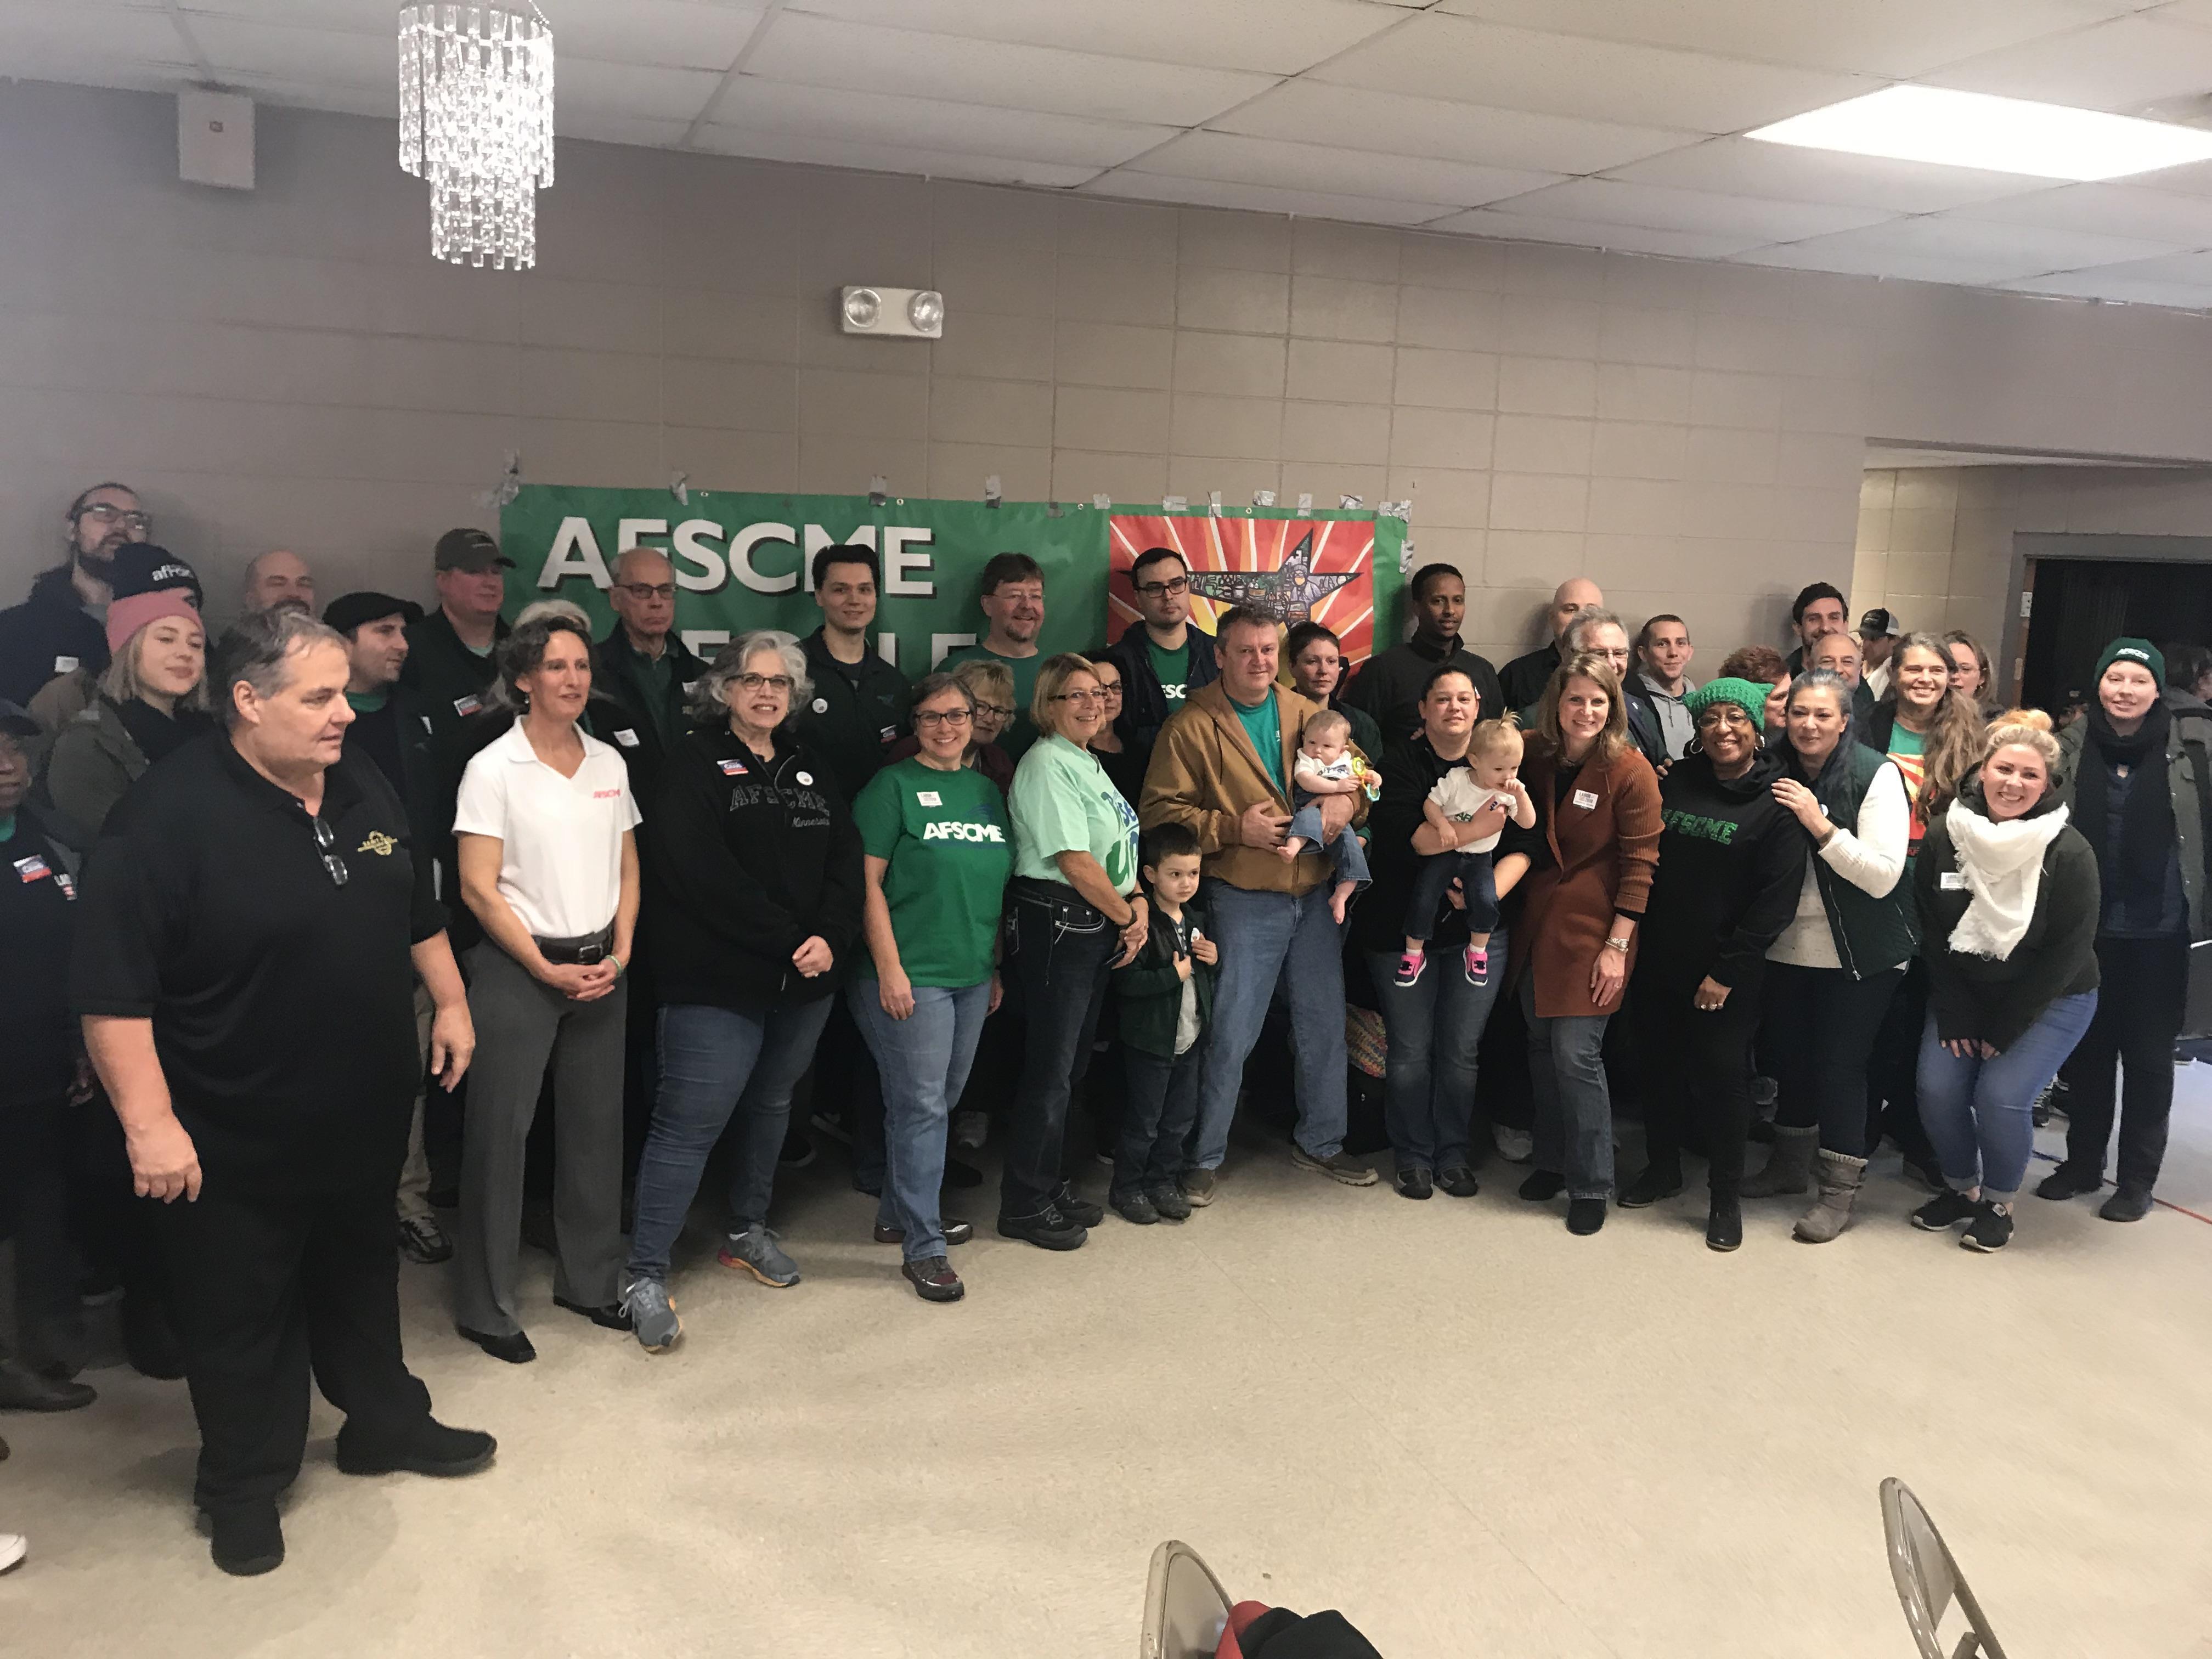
1619	944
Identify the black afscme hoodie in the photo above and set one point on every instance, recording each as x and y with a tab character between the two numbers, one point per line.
1731	866
747	858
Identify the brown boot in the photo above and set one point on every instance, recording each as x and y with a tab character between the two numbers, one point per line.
1840	1178
1789	1166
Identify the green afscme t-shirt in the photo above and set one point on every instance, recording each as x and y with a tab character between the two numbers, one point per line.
1064	802
1172	669
1264	726
945	837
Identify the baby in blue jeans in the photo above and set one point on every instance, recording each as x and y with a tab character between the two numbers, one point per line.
1327	765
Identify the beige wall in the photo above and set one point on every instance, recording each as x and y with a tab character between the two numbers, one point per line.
290	367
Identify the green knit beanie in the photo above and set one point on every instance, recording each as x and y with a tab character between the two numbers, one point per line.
1746	694
2140	652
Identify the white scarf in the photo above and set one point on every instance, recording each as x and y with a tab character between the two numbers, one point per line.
2002	865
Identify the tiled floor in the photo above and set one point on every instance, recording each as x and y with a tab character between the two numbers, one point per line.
1472	1432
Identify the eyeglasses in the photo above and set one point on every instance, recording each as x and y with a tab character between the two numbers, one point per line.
642	591
1724	714
999	708
943	717
1111	689
1080	697
102	512
1173	585
331	861
765	682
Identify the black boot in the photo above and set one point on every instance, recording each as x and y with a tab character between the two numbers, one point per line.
1723	1221
247	1541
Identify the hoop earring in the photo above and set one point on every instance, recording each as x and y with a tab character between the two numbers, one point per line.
1693	747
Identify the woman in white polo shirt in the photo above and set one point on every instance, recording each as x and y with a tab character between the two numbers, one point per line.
549	865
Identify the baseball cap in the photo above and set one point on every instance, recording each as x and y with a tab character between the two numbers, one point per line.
14	722
469	549
349	611
1878	624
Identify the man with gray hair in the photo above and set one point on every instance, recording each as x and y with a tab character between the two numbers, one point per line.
279	577
1600	633
253	922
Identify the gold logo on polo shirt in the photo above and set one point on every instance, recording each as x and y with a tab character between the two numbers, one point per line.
379	843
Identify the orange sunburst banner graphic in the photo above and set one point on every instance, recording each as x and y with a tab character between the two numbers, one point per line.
1338	569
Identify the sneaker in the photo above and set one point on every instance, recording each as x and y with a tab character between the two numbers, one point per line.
1081	1210
955	1232
423	1241
1409	968
1458	1179
2127	1204
1478	966
1542	1186
970	1130
14	1546
1048	1230
797	1150
1585	1216
933	1280
1656	1182
1199	1187
431	1448
1168	1198
1991	1228
1945	1211
652	1312
757	1251
1514	1145
244	1542
2069	1182
1135	1207
1337	1166
1413	1181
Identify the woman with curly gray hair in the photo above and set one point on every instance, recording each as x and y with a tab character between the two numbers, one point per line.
753	877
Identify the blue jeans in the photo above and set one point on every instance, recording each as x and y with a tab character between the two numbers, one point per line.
1346	856
714	1062
1477	875
1267	938
924	1060
1980	1113
1062	949
1156	1119
1574	1111
1434	1026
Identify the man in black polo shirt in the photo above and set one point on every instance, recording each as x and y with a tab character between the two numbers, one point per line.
859	708
243	970
1388	686
449	662
645	668
1162	657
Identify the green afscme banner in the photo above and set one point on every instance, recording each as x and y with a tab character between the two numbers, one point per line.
744	559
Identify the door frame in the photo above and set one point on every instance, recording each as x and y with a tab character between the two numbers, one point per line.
2029	546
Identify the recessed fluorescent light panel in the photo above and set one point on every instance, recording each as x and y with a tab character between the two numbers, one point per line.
2003	135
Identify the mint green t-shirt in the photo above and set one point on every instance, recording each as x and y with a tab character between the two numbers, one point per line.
1064	802
946	836
1264	726
1021	731
1172	669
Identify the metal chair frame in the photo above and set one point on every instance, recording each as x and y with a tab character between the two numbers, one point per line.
1928	1578
1185	1607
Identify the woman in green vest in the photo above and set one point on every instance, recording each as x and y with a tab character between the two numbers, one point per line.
1837	963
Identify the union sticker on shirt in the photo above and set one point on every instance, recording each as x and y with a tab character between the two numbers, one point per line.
626	738
65	664
733	769
68	887
32	868
929	796
889	734
467	706
804	777
821	705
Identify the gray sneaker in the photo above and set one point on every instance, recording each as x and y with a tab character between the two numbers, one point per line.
1337	1166
757	1251
652	1314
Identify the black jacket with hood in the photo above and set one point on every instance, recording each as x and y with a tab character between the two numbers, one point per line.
1731	867
49	633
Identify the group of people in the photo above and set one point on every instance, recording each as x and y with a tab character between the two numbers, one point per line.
309	927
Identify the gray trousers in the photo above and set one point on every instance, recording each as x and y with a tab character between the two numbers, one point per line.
520	1026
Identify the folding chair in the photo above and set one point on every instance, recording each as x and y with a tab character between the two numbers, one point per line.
1928	1580
1185	1607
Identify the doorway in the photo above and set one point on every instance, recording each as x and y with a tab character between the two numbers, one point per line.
2081	593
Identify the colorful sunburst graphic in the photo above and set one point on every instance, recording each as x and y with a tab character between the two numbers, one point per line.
1294	570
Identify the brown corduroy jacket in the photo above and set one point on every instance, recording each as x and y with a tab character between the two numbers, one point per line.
1604	855
1205	773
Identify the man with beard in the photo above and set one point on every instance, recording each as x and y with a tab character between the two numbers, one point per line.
279	577
1013	602
59	627
1161	656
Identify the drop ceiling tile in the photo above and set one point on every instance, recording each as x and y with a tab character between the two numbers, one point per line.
1280	37
2106	209
1434	56
889	158
346	15
1998	251
1790	172
1361	117
1760	219
657	95
1264	198
85	31
872	117
1865	37
824	53
2123	65
1584	233
618	129
1337	171
2191	269
380	101
680	34
1828	253
306	56
2108	284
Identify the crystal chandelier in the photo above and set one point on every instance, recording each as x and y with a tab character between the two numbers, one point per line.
476	119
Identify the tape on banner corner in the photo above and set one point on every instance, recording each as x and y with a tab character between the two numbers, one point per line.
1103	504
879	491
679	486
991	490
1305	503
1213	503
1348	503
1263	498
509	485
1052	510
1175	504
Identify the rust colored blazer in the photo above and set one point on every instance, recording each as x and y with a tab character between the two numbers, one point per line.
1604	854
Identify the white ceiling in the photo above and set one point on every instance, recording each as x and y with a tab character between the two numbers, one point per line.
1608	123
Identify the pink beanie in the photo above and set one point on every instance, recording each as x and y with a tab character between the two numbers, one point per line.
125	617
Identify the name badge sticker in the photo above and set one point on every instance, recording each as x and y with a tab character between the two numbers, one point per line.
626	738
32	868
467	706
65	664
689	687
929	798
1586	800
1952	881
732	769
889	734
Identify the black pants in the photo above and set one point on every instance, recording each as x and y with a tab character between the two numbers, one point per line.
1693	1062
1822	1023
34	1213
112	1225
2140	1005
1062	949
266	1288
1161	1106
1893	1072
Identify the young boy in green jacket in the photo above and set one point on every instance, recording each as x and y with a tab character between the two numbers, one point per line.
1166	996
